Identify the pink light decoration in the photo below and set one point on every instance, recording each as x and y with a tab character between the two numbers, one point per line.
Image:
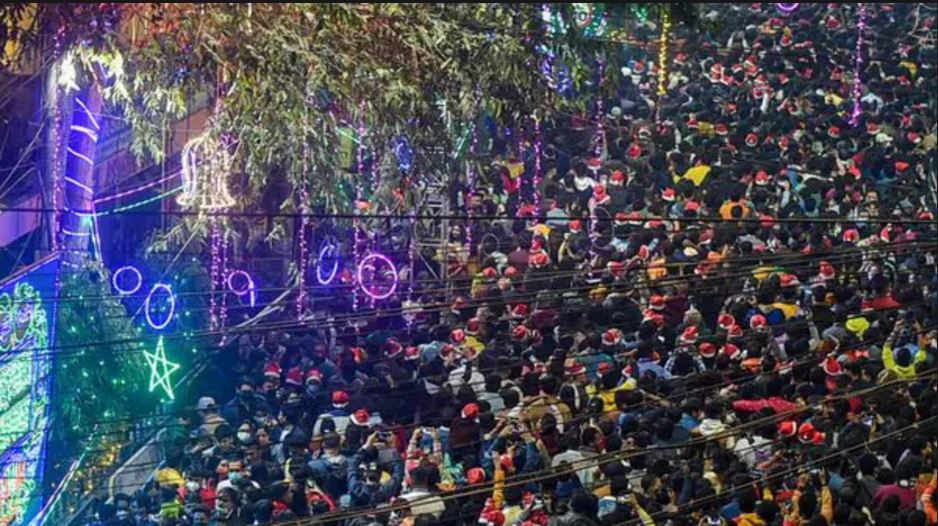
304	244
857	91
356	223
247	289
224	272
787	8
376	257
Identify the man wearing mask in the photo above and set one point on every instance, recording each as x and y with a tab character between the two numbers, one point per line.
243	406
227	510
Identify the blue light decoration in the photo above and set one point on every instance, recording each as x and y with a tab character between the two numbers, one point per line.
27	321
171	301
404	154
327	249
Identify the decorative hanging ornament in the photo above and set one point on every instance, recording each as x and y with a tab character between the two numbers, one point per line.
206	163
787	8
161	369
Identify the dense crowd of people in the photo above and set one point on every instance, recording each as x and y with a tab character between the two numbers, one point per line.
722	309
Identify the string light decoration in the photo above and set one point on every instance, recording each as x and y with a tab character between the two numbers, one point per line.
245	288
787	8
161	369
121	288
171	299
25	330
359	195
303	255
215	273
370	262
663	43
206	163
538	163
857	91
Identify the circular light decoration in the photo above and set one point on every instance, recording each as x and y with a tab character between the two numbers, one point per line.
369	261
787	8
116	280
172	306
326	278
247	287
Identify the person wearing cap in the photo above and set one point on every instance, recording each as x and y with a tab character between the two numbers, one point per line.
338	415
209	415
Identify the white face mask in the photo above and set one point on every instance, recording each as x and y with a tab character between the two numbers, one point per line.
192	486
244	437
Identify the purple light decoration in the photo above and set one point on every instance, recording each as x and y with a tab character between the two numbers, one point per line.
115	280
215	277
787	8
323	250
224	271
356	223
857	91
538	151
374	256
248	289
172	306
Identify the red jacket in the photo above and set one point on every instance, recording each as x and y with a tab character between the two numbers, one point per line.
777	404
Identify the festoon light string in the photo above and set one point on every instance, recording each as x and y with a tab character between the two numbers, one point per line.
857	91
663	44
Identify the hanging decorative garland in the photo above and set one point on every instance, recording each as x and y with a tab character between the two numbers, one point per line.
787	8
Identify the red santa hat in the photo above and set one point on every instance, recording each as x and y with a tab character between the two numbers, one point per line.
520	333
599	192
412	353
758	322
617	178
851	235
470	411
489	273
762	178
789	280
725	321
511	272
734	332
806	432
787	428
818	438
295	376
752	140
668	194
833	132
707	350
612	337
721	129
690	334
594	164
634	151
361	418
520	310
273	370
314	375
339	399
575	369
832	367
731	351
656	302
539	260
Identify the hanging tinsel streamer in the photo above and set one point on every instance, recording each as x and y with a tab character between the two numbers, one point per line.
471	181
663	44
857	91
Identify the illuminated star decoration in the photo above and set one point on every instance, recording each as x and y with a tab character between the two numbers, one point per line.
161	369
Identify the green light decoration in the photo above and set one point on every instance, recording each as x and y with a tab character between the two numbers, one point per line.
161	369
23	398
590	19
